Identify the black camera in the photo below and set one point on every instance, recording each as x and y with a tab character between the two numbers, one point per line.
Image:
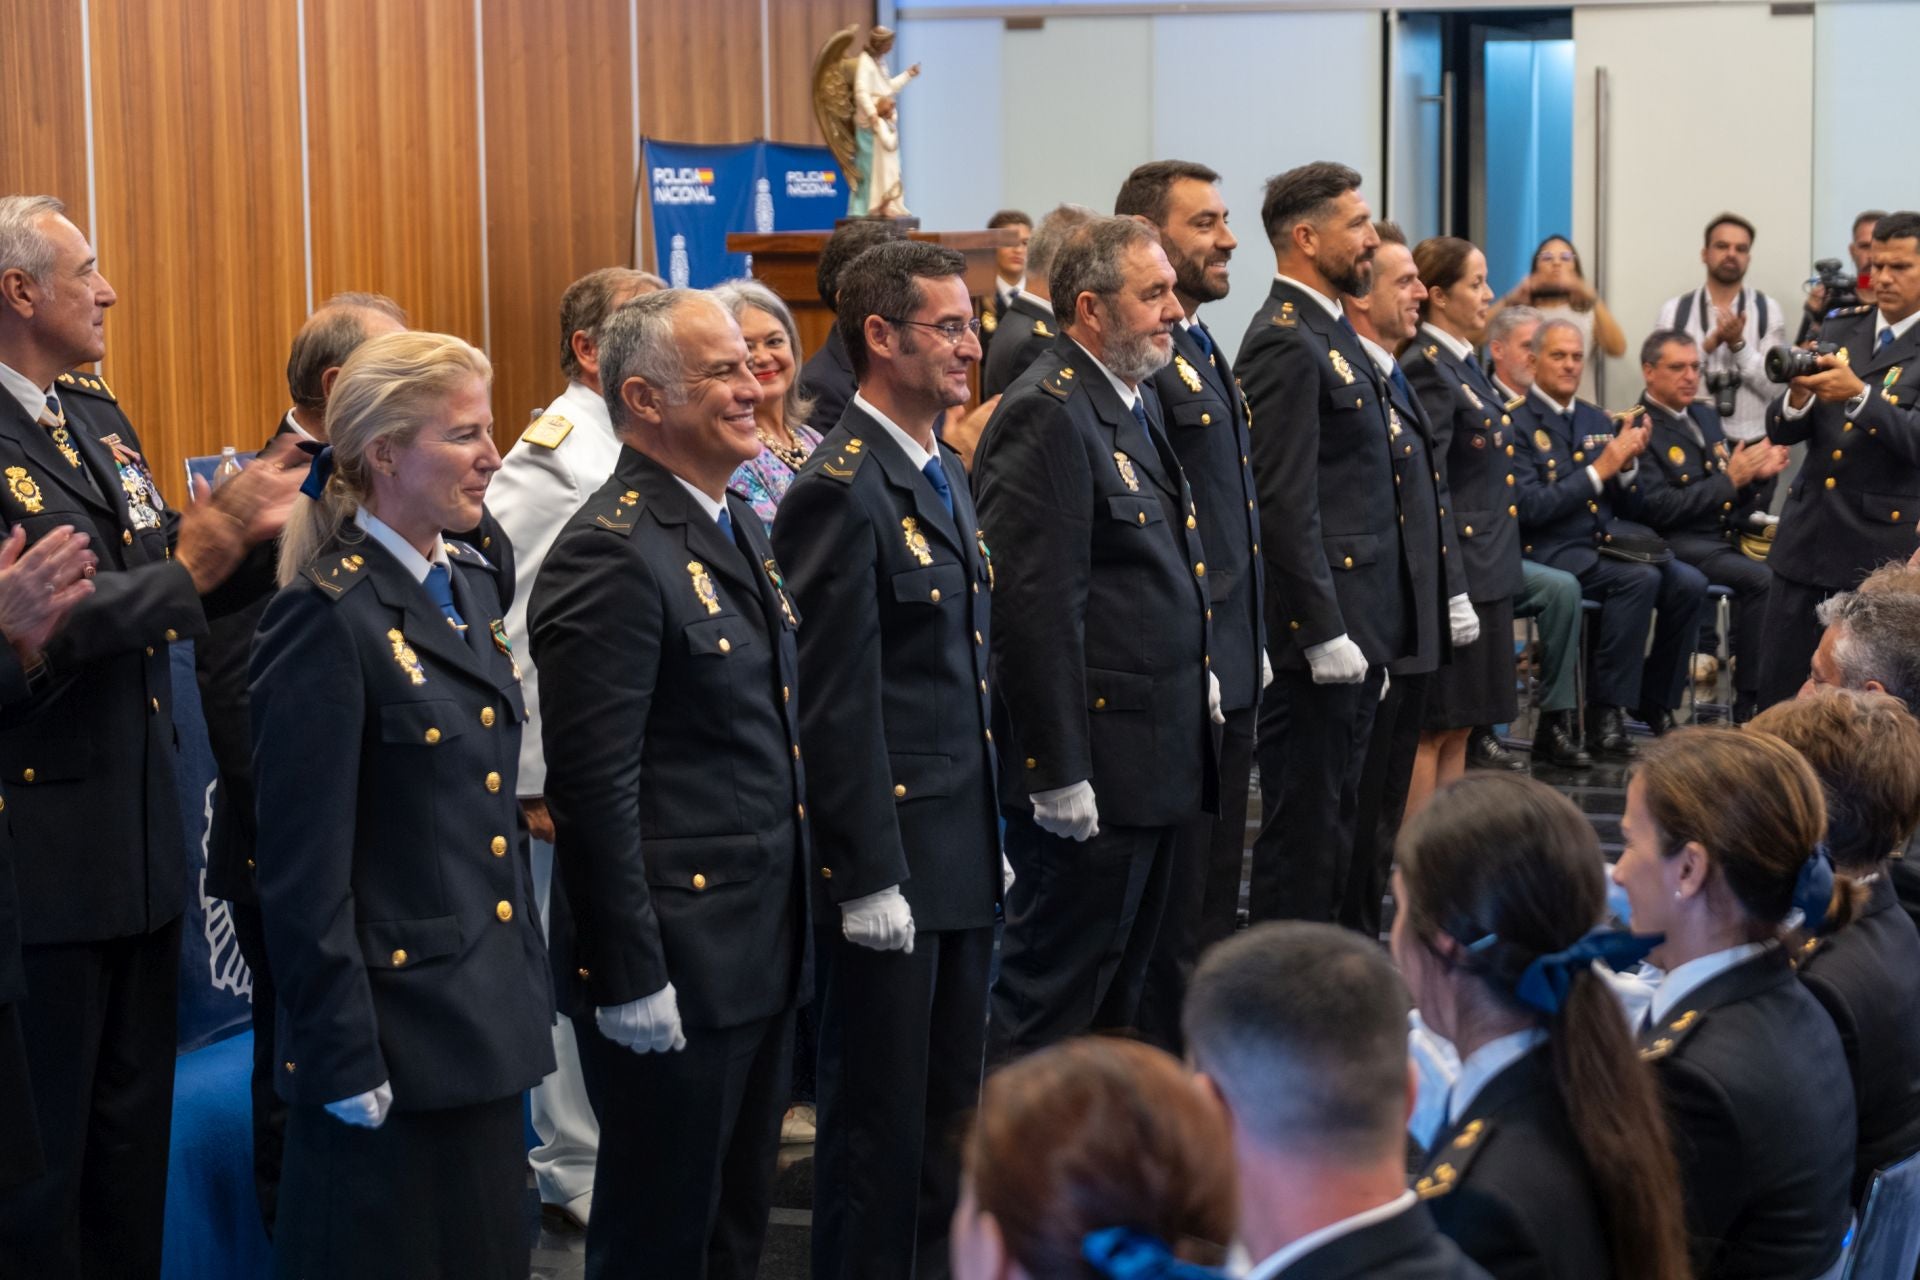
1842	286
1784	364
1724	384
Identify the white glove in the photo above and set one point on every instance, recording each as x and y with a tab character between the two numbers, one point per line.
364	1110
1386	683
882	921
1338	661
1067	811
650	1024
1006	875
1464	621
1213	699
1266	670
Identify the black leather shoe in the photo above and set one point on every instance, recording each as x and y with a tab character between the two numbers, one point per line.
1485	751
1745	707
1658	720
1556	742
1607	732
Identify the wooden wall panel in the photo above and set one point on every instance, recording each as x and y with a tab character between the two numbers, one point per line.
394	156
559	180
797	29
43	131
196	166
700	69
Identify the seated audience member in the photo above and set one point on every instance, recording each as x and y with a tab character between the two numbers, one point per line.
1722	846
1552	1157
827	379
1028	320
1865	749
1300	1029
780	419
1094	1158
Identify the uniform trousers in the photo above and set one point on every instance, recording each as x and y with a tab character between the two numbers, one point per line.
1384	781
1793	633
1203	903
902	1041
1553	596
269	1111
20	1156
1725	566
1623	672
1083	917
688	1143
100	1026
558	1105
1312	747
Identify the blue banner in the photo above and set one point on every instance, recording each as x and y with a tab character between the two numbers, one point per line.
808	193
700	194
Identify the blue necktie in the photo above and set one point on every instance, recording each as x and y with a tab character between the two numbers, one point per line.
1879	343
1348	326
725	522
439	587
1140	416
937	477
1202	338
1400	382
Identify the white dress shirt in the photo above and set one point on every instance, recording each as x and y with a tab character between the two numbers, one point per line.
1683	980
712	506
908	445
293	425
33	399
409	557
1333	307
1275	1263
1484	1064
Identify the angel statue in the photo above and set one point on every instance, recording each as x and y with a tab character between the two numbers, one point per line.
855	100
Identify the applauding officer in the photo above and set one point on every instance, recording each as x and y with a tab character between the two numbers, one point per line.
885	561
394	886
1100	652
665	637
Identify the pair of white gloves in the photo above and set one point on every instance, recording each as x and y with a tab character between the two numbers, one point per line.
1340	661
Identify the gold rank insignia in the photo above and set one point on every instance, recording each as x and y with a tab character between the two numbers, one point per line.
498	630
1542	441
548	432
1472	399
779	582
1040	329
1676	455
1341	367
1188	374
703	587
1125	464
916	540
989	321
1431	351
24	490
1286	319
407	659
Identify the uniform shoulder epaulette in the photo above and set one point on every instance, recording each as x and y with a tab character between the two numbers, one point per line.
1448	1164
1808	950
1626	416
840	463
1040	329
90	383
1058	385
1513	404
618	514
459	552
547	431
336	575
1860	310
1285	317
1677	1029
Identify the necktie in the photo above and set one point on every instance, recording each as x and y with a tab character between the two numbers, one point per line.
1473	363
51	416
1140	416
1348	326
1400	383
725	522
439	587
1879	343
1202	339
937	477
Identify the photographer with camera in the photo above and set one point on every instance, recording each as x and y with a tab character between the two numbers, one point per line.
1734	325
1835	287
1855	501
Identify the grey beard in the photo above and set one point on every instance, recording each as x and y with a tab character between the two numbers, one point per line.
1135	358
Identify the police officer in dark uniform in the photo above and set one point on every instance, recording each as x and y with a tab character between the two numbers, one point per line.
393	878
1339	590
1856	498
665	637
1701	496
884	559
1027	328
1572	470
827	377
1011	268
1100	646
87	760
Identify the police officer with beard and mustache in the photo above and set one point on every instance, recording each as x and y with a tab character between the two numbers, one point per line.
1208	427
1339	604
1100	646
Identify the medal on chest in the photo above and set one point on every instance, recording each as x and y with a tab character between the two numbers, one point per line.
144	503
498	630
703	587
405	658
779	582
916	540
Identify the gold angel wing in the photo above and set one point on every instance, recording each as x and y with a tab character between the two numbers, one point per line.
833	98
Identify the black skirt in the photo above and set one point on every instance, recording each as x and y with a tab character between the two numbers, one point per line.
1476	686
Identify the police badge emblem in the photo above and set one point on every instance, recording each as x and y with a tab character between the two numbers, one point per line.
1341	367
916	540
1542	441
1676	455
24	490
405	657
1188	374
1125	464
703	587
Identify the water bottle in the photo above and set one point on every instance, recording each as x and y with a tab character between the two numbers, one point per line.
229	466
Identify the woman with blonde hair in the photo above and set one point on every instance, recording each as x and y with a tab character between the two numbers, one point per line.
393	877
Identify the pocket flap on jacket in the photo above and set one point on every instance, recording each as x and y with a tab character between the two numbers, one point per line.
1118	690
718	636
427	723
1139	511
402	944
916	776
698	863
931	584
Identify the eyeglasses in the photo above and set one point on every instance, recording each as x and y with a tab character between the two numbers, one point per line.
1556	257
952	330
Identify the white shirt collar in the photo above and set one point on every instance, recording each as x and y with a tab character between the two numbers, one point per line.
1879	323
1460	348
1502	387
1553	404
1275	1263
708	505
1332	307
1381	357
1682	980
1129	396
293	425
1007	288
1487	1062
581	403
908	445
411	560
33	399
1035	299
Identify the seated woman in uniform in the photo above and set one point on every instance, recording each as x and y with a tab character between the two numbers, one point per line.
414	994
1096	1158
1865	748
1723	833
1552	1158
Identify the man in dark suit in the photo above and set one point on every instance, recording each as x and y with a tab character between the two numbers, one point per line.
88	762
1700	496
1011	266
1339	591
1100	646
665	638
827	377
1208	427
1028	322
1855	501
1300	1031
885	561
1572	471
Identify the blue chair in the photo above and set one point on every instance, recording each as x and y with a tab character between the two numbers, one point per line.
1886	1244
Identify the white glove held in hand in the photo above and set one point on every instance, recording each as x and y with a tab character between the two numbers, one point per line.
1006	868
364	1110
650	1024
882	921
1463	620
1338	661
1266	666
1213	699
1067	811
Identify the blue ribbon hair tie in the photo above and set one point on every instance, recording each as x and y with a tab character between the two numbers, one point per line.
1544	984
319	471
1813	890
1120	1253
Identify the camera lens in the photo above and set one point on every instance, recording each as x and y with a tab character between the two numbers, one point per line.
1784	364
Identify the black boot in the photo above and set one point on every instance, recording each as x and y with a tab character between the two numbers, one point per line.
1657	719
1485	751
1557	742
1607	732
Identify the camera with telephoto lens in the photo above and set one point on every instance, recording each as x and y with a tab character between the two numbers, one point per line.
1784	364
1841	285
